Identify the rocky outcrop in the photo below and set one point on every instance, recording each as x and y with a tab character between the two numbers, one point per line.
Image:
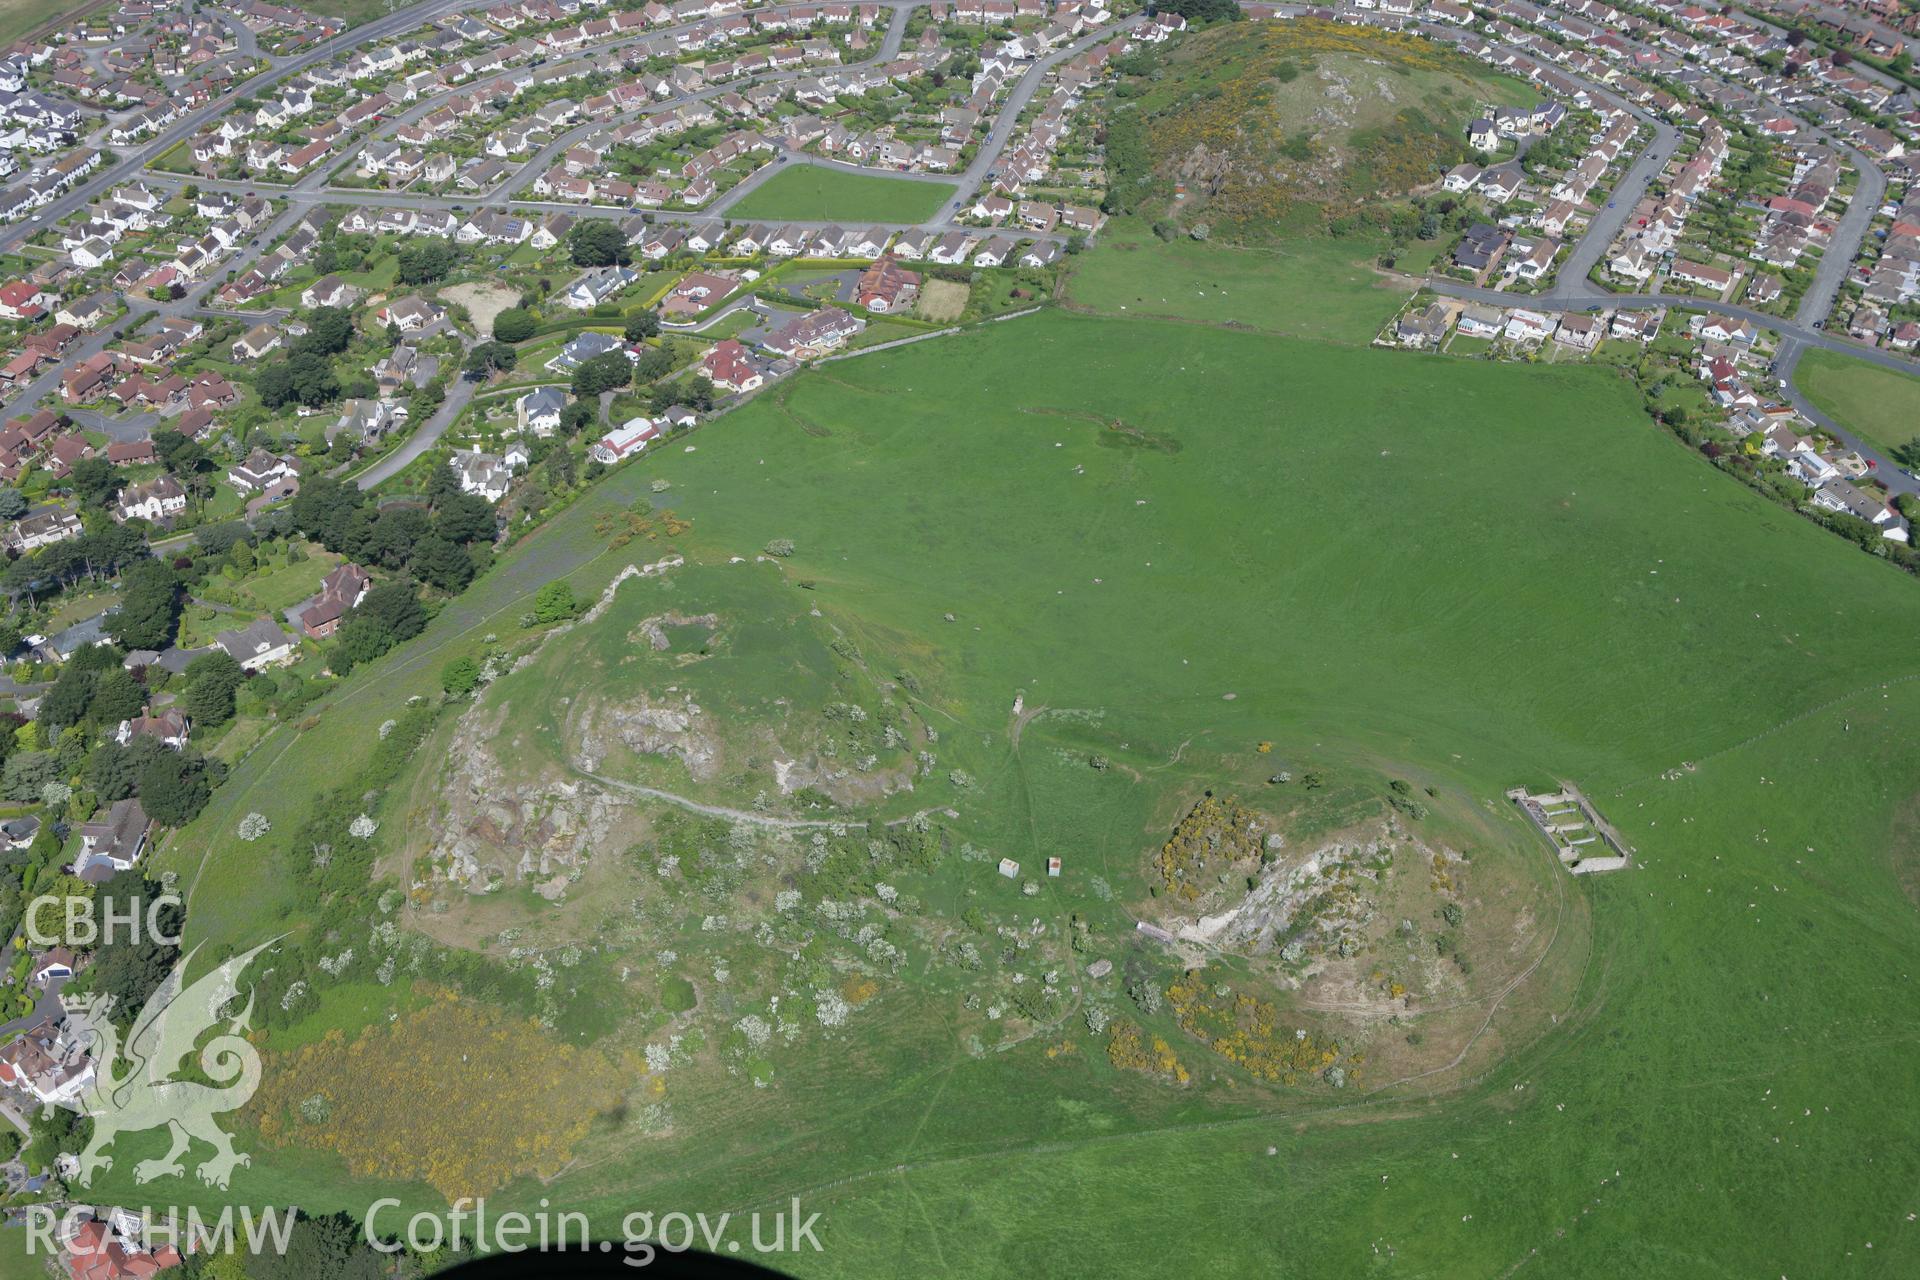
494	831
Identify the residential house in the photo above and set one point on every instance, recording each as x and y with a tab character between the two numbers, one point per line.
366	420
113	842
42	529
582	348
395	370
1424	327
1846	498
541	409
623	442
1524	325
814	334
90	379
54	962
257	341
258	645
24	300
731	367
49	1064
260	469
1481	321
696	293
598	285
1041	253
410	314
158	499
1481	247
340	591
486	474
329	291
169	727
1579	331
1714	280
132	453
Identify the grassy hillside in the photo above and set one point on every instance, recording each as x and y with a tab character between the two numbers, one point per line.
811	193
1259	129
1878	405
1175	542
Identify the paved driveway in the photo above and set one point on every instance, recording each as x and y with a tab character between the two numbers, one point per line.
121	428
45	1005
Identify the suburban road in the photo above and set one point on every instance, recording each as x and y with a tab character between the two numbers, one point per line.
969	180
1844	245
244	41
1794	340
974	176
130	165
1573	291
543	159
1570	291
311	190
407	200
459	395
1612	216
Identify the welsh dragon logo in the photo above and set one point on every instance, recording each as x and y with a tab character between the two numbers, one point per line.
135	1086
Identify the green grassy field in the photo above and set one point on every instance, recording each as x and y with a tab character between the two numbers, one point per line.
16	1263
17	17
1879	405
811	193
354	12
1317	288
1468	573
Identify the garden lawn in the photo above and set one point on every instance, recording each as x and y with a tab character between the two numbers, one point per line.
813	193
76	606
275	589
1880	406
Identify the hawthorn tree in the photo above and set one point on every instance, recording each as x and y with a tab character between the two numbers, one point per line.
304	377
174	787
595	242
607	372
488	358
130	964
212	680
94	481
515	324
149	607
425	262
641	324
460	676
